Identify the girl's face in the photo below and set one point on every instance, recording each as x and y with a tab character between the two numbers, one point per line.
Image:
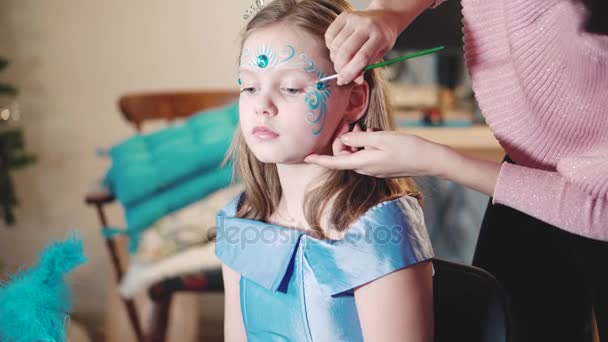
283	115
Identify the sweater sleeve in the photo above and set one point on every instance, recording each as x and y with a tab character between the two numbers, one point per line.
573	198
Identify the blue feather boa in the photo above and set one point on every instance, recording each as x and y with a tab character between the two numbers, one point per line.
36	302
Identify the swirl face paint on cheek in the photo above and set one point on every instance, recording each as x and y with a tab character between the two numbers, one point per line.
316	99
316	96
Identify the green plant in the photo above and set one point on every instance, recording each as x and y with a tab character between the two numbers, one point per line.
12	155
6	88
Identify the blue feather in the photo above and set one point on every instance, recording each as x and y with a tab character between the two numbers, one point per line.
36	302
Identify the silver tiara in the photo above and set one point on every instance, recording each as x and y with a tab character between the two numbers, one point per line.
253	9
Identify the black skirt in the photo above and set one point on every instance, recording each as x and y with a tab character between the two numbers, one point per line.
553	278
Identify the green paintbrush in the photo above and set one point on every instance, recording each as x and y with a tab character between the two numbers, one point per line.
321	82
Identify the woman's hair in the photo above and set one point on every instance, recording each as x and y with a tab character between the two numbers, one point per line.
355	193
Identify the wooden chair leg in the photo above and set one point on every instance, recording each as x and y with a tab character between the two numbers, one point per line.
159	319
129	304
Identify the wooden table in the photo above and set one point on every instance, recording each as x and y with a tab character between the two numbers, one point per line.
477	141
471	139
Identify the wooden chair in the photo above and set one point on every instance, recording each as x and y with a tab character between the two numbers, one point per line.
138	108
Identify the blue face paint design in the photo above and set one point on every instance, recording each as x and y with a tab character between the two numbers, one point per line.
266	58
317	103
316	96
262	61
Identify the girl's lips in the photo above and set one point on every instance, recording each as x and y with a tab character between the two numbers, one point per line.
264	133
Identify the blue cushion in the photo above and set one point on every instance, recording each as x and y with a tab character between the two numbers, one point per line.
155	174
145	164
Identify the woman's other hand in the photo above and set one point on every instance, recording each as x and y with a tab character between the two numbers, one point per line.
381	154
396	154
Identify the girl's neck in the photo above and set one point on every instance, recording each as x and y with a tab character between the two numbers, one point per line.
296	180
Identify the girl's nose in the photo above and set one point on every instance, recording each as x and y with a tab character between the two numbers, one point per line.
265	106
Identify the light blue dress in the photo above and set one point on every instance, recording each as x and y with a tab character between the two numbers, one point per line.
294	287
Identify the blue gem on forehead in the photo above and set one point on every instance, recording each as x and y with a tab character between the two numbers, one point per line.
320	85
262	61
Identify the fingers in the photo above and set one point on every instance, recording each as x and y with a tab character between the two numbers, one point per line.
338	147
348	48
356	129
338	42
368	139
335	28
341	162
367	129
360	60
359	79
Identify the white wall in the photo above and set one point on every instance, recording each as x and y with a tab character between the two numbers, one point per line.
71	61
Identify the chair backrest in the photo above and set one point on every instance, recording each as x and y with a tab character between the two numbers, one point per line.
469	304
140	107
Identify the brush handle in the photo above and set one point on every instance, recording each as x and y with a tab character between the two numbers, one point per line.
390	61
403	58
328	78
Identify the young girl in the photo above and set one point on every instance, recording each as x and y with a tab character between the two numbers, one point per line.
311	254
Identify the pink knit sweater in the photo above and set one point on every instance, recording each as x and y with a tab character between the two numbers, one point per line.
542	85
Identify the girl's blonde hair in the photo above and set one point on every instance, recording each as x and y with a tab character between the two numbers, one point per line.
354	192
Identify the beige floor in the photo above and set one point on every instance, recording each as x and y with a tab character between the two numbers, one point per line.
77	332
193	318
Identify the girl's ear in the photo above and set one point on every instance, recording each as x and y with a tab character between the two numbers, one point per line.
357	102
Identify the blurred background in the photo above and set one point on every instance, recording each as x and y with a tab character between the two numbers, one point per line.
70	61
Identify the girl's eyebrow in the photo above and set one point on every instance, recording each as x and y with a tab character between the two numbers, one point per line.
291	70
281	71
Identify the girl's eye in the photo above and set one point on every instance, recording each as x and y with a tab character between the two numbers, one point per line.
250	90
292	91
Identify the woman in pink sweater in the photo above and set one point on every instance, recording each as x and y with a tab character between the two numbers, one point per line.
539	69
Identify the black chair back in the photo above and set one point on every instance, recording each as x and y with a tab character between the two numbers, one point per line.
470	305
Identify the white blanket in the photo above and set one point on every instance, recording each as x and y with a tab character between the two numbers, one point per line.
178	244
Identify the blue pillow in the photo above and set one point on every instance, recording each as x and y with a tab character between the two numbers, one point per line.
145	164
154	174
